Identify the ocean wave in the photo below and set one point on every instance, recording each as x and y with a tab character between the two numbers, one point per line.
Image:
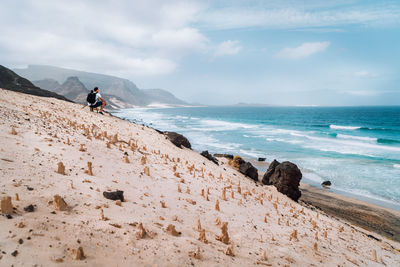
295	142
397	166
225	125
341	127
344	146
361	138
387	141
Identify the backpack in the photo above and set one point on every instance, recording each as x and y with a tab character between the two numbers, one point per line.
91	97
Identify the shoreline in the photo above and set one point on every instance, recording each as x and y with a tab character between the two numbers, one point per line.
381	220
382	203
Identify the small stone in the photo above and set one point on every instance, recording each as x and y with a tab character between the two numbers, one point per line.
20	241
15	253
29	208
114	195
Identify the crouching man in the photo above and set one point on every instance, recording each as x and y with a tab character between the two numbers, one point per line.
98	100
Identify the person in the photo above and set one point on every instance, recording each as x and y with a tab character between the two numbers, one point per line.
99	102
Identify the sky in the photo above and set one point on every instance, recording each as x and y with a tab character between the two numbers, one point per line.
278	52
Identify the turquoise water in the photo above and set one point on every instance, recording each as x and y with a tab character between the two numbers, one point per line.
356	148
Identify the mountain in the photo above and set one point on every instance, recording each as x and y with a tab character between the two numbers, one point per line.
122	89
47	84
9	80
73	89
162	96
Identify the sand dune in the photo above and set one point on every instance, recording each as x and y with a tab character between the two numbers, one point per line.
179	208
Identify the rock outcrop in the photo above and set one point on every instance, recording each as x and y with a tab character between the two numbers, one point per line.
178	139
249	170
285	177
209	156
269	172
9	80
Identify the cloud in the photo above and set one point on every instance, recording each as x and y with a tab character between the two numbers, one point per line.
365	74
302	51
228	47
299	14
128	39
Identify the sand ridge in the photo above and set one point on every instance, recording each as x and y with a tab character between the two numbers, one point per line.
169	215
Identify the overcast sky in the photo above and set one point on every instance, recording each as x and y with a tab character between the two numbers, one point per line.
343	52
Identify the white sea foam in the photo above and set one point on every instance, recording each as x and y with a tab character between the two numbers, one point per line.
349	143
362	138
340	127
312	177
225	125
251	153
269	139
397	166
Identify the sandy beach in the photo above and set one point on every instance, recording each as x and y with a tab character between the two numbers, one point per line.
374	218
178	208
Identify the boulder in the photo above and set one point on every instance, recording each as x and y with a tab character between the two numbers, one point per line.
261	159
285	177
209	156
326	183
269	172
178	139
116	195
249	170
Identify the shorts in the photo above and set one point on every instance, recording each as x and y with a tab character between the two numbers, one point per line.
98	104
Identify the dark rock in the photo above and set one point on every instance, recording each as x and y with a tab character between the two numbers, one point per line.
178	139
158	131
228	156
9	80
326	183
15	253
261	159
9	216
209	156
286	178
116	195
20	241
29	188
269	172
29	208
249	170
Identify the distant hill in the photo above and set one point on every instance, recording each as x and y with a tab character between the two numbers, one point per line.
47	84
120	88
73	89
162	96
9	80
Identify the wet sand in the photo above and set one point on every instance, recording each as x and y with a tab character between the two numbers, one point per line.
383	221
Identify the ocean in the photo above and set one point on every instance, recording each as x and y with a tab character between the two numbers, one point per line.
356	148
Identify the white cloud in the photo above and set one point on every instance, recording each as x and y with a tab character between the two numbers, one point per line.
365	74
128	38
302	51
228	47
281	15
